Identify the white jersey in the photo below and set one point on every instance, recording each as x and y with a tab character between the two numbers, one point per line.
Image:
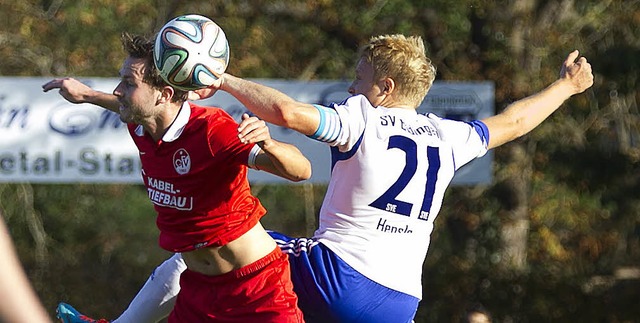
390	170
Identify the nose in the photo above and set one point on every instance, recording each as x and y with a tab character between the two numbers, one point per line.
351	89
116	91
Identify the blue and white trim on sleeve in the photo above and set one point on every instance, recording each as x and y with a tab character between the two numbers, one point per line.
482	131
329	127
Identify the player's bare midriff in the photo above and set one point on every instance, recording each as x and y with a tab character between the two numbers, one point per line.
248	248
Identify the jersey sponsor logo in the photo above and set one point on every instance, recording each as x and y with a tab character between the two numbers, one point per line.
165	194
181	161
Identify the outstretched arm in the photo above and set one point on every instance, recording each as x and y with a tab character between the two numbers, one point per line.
277	158
522	116
268	104
75	91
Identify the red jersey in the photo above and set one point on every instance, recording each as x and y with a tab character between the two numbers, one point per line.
196	176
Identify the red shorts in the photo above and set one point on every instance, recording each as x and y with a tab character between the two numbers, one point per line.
259	292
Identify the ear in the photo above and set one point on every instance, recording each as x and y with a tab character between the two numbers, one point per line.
388	85
165	95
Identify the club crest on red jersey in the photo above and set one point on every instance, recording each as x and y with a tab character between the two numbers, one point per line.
181	161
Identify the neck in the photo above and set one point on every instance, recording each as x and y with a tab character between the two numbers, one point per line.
391	102
399	106
157	125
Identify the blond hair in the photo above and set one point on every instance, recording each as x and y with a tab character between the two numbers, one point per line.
404	60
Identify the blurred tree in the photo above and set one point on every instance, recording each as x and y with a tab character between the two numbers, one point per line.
561	221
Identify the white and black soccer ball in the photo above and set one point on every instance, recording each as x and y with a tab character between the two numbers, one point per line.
191	52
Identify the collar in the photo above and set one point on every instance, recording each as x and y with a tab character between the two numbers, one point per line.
176	127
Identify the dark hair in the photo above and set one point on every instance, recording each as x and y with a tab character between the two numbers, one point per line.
138	46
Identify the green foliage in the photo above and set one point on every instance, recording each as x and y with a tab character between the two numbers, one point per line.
94	242
94	245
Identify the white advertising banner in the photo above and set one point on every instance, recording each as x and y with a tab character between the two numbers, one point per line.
45	139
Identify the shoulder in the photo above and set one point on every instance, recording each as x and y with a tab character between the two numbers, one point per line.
210	115
359	100
356	105
207	111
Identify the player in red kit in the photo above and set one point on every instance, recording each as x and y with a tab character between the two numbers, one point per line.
195	171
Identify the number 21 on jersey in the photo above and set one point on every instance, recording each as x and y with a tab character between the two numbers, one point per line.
388	201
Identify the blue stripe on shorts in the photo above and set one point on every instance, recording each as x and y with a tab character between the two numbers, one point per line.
329	290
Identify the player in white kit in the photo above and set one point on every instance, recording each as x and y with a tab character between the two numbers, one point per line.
390	169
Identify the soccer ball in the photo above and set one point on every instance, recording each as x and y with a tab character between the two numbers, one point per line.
191	52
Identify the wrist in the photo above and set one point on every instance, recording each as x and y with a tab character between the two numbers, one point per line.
266	145
566	86
92	97
223	81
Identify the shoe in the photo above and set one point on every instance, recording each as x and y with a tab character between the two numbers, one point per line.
67	314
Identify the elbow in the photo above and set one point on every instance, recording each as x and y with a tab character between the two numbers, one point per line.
303	175
519	128
307	174
299	178
290	115
505	128
300	117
